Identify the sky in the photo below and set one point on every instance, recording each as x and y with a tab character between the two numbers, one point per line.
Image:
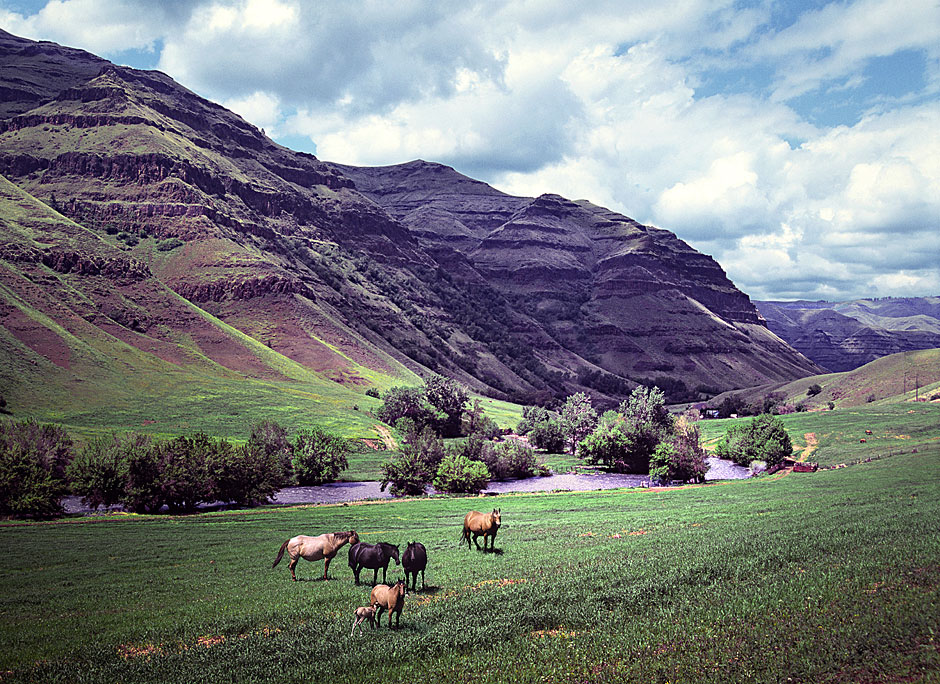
797	143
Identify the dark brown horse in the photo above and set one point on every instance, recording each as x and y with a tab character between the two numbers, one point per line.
486	524
390	598
314	548
373	556
414	560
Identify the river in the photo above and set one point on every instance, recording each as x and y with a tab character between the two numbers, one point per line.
339	492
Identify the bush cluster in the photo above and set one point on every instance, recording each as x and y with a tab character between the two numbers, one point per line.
764	438
38	467
439	404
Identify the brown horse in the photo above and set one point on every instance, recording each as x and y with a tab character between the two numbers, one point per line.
314	548
487	524
390	598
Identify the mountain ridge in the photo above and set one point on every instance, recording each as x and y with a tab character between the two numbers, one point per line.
364	276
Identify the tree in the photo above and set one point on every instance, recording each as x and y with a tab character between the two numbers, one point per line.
269	443
411	470
449	399
183	475
98	474
246	475
548	435
318	456
512	459
532	416
813	390
764	438
578	418
406	402
681	456
33	462
611	446
459	474
646	423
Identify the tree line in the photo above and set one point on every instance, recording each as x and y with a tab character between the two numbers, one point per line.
39	466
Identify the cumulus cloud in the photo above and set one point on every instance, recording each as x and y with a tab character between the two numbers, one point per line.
694	115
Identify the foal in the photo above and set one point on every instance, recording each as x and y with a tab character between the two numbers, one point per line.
363	613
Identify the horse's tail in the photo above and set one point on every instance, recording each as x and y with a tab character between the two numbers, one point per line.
280	554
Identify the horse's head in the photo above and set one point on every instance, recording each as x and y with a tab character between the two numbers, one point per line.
400	587
496	517
353	537
393	552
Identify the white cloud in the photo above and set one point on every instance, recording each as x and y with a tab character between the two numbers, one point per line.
602	103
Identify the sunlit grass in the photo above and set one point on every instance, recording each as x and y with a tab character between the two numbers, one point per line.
817	577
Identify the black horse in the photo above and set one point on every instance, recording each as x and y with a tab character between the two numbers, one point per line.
414	559
372	556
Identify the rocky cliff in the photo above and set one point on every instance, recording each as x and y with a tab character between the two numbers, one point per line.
360	275
841	336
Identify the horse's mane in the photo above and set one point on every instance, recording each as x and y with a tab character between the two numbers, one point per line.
344	535
386	545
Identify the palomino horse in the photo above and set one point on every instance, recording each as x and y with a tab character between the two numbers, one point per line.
372	556
390	598
486	524
314	548
414	560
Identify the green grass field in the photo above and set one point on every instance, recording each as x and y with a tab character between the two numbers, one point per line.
830	576
895	427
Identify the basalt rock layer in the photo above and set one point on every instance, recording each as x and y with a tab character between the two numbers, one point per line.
361	276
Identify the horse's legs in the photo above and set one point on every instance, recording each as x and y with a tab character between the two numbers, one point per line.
326	566
475	538
292	565
422	579
375	576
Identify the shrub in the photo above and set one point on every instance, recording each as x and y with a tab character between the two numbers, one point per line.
98	474
318	456
813	390
681	457
763	439
548	435
459	474
512	460
33	462
142	493
411	470
183	475
476	422
372	392
169	244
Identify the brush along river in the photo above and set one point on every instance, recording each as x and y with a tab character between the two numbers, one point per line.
339	492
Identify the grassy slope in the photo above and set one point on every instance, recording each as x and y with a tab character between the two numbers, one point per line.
824	577
890	379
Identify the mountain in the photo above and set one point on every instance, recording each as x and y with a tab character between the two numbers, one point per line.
841	336
168	235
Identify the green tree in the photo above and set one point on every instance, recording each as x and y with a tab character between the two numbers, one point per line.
318	456
410	471
813	390
532	416
549	435
459	474
449	399
681	456
764	438
406	402
578	418
98	474
33	462
183	474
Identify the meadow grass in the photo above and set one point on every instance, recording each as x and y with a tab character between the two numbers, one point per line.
827	576
839	433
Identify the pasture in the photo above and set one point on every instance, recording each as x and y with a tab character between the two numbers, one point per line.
829	576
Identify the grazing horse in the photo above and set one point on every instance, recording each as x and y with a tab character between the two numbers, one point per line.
390	598
373	556
413	560
314	548
486	524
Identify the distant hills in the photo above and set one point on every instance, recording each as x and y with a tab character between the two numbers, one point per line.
154	240
841	336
